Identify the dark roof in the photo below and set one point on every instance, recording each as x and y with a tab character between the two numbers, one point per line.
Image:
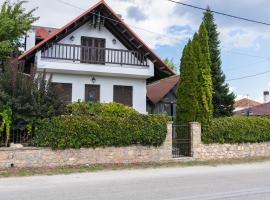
245	102
157	90
117	26
259	110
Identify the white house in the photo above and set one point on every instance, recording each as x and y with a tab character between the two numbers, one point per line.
97	57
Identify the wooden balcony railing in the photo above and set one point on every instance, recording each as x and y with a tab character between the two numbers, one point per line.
84	54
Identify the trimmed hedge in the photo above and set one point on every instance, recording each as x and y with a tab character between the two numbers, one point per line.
240	129
100	109
102	130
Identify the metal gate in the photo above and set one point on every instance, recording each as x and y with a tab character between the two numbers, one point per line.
181	141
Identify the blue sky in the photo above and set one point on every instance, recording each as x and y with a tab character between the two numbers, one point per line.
245	46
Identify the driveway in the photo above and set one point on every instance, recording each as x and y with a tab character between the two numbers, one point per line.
245	181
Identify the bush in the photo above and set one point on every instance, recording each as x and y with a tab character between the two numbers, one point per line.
237	130
100	109
116	125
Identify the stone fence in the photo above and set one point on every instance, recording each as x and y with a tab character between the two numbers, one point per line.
202	151
45	157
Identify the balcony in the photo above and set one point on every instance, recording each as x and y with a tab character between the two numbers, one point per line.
90	55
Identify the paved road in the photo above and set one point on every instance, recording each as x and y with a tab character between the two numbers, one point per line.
247	181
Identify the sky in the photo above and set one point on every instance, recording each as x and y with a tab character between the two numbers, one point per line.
166	28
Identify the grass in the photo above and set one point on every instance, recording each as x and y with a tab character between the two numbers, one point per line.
14	172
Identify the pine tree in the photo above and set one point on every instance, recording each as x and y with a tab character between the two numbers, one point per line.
204	84
187	102
223	99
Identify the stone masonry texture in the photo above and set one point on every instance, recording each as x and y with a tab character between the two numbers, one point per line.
45	157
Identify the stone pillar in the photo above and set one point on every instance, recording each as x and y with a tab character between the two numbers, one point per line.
196	133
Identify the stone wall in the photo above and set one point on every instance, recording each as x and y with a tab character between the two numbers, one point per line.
40	157
202	151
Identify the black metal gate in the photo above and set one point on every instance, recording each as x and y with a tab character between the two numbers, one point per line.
181	141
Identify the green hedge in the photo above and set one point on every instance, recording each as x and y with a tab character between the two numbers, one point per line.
91	130
240	129
100	109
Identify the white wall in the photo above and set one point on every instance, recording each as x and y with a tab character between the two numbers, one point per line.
106	88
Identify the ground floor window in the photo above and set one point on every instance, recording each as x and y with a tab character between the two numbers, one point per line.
123	94
92	93
64	90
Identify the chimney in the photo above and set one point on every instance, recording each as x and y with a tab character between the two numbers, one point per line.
265	96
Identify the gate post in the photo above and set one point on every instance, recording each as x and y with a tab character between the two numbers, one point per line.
195	133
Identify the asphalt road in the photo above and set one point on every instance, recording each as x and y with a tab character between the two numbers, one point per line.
247	181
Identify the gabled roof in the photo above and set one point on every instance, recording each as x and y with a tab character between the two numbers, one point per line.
157	90
259	110
245	102
116	25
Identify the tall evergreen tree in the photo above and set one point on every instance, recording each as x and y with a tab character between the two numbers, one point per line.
187	101
204	85
223	99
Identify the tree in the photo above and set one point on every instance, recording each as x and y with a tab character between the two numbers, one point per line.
223	99
187	98
204	84
15	22
30	98
194	91
170	63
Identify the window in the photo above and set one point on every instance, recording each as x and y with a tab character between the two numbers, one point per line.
93	50
92	93
123	94
64	90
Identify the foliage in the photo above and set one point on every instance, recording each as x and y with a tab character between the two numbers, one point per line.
187	99
223	99
100	109
29	98
15	22
6	117
90	129
194	92
239	129
204	87
170	63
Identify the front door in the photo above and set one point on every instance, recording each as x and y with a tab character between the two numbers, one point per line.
92	93
93	50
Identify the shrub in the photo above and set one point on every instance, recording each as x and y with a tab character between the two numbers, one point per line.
100	109
116	125
237	130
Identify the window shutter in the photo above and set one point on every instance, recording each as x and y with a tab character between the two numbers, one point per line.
64	90
123	94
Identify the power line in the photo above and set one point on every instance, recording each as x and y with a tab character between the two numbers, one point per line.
248	65
245	54
152	32
221	13
250	76
139	28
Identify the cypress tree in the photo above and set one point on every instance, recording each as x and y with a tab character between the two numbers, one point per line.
204	85
223	99
187	102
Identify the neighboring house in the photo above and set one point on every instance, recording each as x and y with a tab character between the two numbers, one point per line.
250	107
96	57
244	104
161	96
259	110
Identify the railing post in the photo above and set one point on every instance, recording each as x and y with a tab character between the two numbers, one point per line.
121	57
74	53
